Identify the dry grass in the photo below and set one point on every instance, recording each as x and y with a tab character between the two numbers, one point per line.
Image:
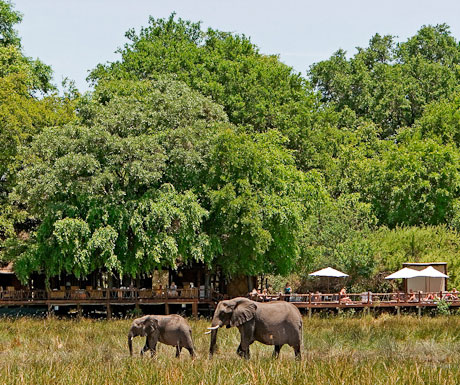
386	350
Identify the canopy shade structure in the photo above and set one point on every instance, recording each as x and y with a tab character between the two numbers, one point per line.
431	272
404	273
328	272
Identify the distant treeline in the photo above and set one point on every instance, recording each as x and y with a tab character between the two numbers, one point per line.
194	146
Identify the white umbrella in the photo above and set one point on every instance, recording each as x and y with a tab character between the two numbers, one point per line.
404	273
328	272
431	272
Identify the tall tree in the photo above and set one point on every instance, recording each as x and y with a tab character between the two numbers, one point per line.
390	83
26	106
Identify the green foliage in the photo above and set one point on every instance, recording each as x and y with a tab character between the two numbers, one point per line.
195	146
337	235
99	194
8	18
259	202
441	121
154	176
393	247
22	116
442	307
390	83
414	183
256	90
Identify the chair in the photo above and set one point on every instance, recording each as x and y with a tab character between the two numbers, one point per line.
57	294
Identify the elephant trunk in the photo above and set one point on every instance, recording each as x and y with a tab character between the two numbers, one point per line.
130	343
216	323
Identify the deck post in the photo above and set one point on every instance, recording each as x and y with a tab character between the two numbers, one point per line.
419	311
309	312
50	310
195	309
166	308
109	311
398	310
79	310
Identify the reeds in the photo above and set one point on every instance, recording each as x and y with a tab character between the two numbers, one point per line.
386	350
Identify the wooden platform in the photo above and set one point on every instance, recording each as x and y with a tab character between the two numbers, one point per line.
137	297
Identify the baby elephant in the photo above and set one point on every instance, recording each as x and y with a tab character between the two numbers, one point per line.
169	329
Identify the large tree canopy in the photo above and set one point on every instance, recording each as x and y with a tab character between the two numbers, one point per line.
257	91
154	176
27	105
390	83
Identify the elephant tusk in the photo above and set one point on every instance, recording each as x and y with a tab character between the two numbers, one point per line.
213	327
207	332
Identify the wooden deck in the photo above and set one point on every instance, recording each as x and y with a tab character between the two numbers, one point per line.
108	298
137	297
367	300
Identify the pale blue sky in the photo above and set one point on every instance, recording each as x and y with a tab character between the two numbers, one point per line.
73	36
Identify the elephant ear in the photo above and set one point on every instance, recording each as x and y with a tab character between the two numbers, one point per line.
244	311
150	325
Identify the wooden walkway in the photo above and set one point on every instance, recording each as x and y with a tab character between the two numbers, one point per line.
108	298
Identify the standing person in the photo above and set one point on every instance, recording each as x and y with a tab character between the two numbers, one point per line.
287	292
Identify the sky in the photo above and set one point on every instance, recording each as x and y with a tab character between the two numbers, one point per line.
73	36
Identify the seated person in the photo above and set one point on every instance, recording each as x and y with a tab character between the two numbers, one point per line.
316	297
412	297
431	297
264	295
173	289
343	296
254	294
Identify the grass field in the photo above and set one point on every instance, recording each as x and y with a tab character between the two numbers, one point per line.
384	350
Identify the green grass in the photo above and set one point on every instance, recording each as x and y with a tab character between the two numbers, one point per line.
386	350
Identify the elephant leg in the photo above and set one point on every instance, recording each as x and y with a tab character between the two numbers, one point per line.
247	338
276	352
239	351
146	347
298	353
152	345
178	350
191	351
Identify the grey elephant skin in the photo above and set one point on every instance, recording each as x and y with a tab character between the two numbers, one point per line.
271	323
168	329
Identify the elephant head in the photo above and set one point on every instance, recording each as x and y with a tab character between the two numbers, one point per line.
234	312
143	326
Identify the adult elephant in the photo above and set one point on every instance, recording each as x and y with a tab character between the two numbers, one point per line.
272	323
168	329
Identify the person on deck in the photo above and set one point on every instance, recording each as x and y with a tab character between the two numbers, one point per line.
411	296
343	296
287	291
173	288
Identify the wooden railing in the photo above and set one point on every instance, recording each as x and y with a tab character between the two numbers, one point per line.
361	298
119	295
139	295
